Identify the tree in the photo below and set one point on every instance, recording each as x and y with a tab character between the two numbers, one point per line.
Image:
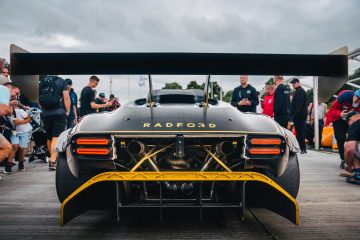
355	75
217	89
195	85
173	85
228	96
270	81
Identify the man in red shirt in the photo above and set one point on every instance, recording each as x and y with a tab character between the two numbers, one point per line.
347	101
268	108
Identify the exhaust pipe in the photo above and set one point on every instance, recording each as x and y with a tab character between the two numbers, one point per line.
136	148
225	148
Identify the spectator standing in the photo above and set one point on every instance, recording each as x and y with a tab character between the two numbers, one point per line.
19	139
101	100
5	146
55	102
322	109
281	102
244	97
87	98
73	114
268	108
352	148
346	101
299	112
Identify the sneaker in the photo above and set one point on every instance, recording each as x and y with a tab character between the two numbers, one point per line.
353	180
342	164
21	167
52	166
8	170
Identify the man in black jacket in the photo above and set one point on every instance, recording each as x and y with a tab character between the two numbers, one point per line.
299	112
244	97
281	102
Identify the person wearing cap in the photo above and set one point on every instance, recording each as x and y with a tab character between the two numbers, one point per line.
352	147
87	98
298	111
244	97
73	114
281	102
346	101
101	100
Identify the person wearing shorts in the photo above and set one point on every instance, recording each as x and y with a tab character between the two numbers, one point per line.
55	118
5	146
19	139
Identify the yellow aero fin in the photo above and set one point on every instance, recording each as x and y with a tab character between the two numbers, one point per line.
261	191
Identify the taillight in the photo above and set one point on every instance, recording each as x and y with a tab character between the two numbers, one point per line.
99	146
93	151
265	146
264	151
265	141
92	141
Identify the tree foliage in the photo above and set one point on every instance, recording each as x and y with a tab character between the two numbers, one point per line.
228	96
173	85
355	75
195	85
217	89
270	81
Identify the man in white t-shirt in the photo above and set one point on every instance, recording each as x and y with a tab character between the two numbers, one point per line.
19	139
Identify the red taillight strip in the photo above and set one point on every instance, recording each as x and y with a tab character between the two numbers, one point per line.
265	141
264	151
92	141
92	151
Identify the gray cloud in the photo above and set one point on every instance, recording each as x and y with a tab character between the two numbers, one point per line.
269	26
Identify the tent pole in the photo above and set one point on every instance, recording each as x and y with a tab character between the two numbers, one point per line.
316	112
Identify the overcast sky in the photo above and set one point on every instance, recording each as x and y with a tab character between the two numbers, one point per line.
266	26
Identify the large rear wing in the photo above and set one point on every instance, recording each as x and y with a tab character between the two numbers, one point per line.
26	66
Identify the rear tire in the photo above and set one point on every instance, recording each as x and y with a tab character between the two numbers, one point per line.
66	183
290	180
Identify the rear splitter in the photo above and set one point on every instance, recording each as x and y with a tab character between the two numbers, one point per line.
260	190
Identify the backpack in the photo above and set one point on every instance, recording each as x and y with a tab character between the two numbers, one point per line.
49	96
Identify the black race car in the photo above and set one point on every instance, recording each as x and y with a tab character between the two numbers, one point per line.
176	148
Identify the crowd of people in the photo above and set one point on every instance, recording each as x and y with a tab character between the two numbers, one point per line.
60	110
291	110
276	104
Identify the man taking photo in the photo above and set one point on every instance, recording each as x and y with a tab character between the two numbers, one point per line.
87	98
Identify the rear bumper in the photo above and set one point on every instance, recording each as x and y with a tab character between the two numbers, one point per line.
263	191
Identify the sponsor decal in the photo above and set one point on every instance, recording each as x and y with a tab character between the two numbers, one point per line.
179	125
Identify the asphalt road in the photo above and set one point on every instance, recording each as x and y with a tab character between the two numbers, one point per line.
329	209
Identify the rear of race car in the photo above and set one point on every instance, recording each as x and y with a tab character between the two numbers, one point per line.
190	170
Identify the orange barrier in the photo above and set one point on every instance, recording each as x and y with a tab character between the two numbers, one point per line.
327	137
